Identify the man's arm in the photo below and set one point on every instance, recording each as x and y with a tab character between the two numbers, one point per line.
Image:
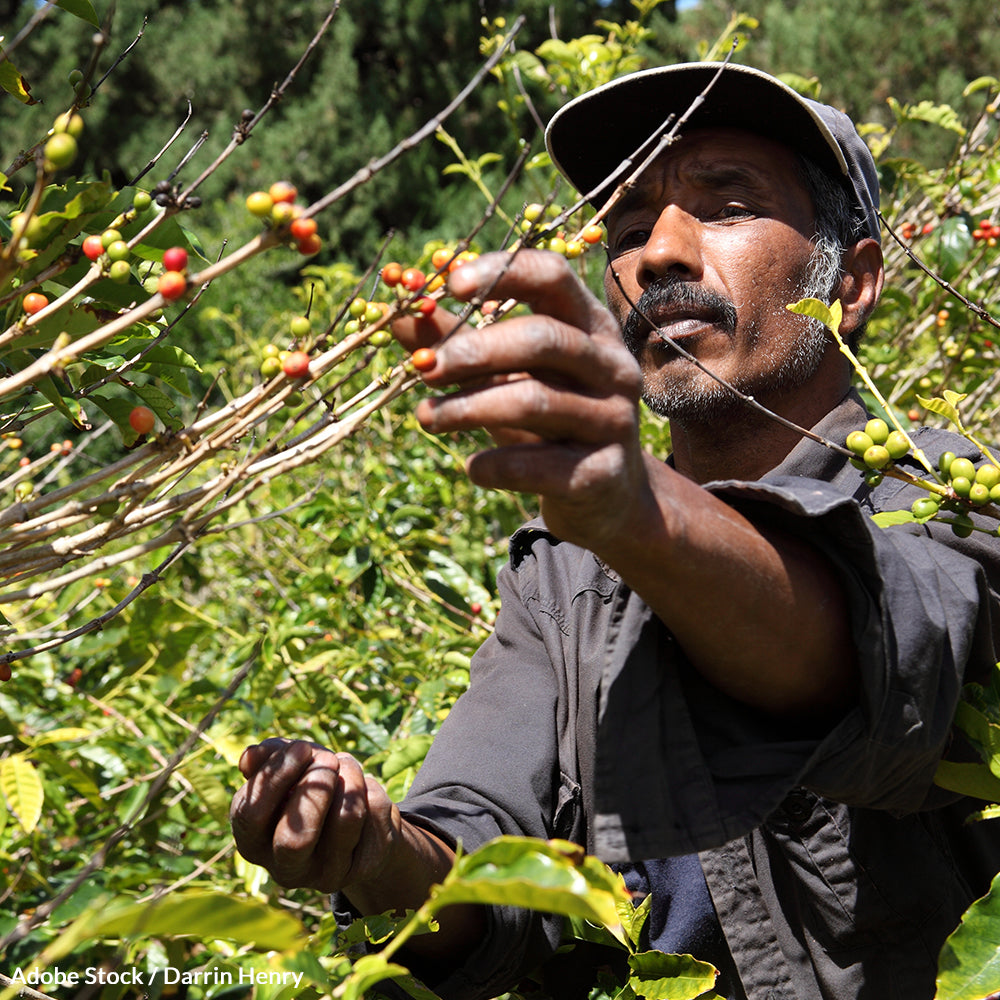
759	613
313	819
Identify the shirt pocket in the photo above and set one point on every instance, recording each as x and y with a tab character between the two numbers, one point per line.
861	882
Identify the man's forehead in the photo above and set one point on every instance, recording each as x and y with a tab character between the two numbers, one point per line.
719	157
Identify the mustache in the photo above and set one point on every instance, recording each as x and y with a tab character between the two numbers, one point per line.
671	293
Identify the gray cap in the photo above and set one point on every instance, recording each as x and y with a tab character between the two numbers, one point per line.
589	137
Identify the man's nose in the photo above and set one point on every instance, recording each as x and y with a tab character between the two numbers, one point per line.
674	246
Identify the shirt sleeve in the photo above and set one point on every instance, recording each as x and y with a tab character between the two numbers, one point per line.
923	618
494	770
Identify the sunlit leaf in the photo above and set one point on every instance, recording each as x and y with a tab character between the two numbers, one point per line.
13	82
552	876
829	315
367	972
941	407
968	779
198	914
23	789
887	518
981	83
67	734
969	964
659	976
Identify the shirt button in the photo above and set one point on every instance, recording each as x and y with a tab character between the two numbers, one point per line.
797	806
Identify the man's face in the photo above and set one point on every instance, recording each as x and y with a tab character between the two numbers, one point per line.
711	245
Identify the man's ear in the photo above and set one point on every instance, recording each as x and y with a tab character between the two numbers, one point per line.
861	284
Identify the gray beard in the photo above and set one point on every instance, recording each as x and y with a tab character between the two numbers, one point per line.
694	397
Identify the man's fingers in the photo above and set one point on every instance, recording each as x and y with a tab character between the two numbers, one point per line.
423	331
540	279
315	838
298	833
258	805
541	345
533	407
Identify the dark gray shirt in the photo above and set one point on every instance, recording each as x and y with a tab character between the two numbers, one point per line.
834	864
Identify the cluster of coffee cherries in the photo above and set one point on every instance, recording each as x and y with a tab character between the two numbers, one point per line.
112	251
969	487
533	220
987	232
876	447
277	208
60	149
910	229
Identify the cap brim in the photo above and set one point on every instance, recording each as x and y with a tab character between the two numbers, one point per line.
590	137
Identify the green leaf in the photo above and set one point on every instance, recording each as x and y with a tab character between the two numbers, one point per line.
943	408
887	518
13	82
210	790
82	9
160	403
981	83
659	976
829	315
198	914
551	876
942	115
66	734
406	753
969	964
950	246
976	780
808	86
367	972
58	393
22	788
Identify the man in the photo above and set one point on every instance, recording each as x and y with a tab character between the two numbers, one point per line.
715	672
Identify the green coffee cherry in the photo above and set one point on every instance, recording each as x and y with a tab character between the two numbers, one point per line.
873	477
897	445
988	475
120	272
979	494
859	442
878	430
962	468
925	507
300	326
962	526
877	457
944	462
962	486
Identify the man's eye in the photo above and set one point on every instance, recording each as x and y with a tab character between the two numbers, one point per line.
633	239
733	211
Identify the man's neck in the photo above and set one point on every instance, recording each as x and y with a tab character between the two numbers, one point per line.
745	445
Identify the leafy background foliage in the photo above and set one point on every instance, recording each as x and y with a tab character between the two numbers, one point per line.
346	599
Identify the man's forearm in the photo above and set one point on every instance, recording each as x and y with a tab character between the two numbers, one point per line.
419	861
760	614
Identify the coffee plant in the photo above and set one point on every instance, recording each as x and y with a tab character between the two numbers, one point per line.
197	552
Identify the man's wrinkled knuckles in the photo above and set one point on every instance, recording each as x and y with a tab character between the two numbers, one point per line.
547	411
535	277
